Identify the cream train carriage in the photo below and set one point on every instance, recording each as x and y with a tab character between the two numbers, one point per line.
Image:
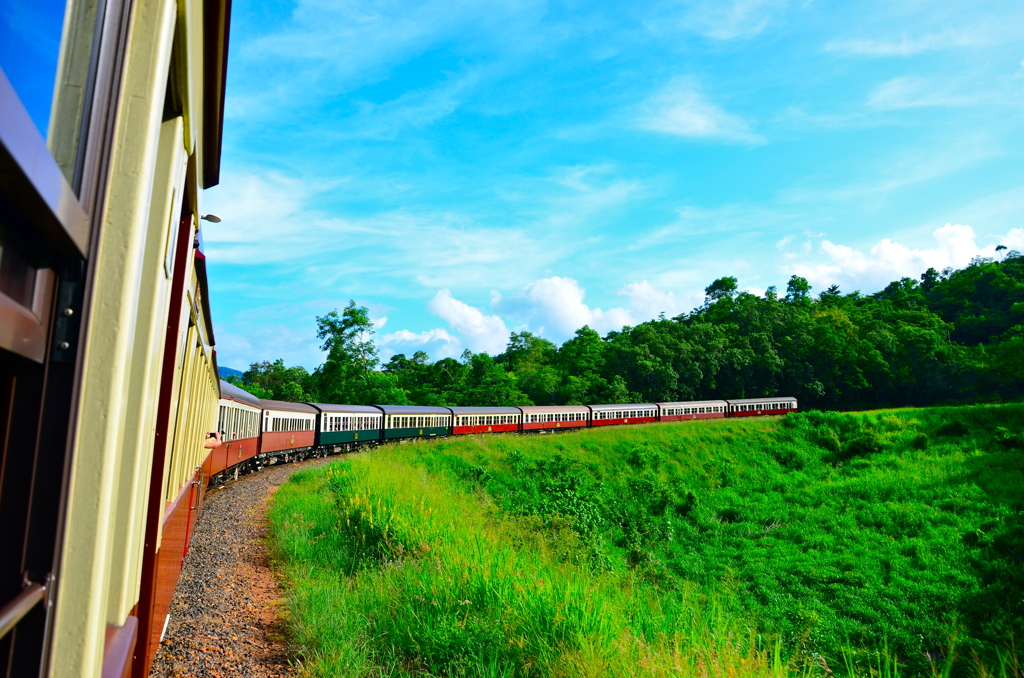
107	374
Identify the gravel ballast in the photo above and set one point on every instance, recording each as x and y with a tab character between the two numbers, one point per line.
225	613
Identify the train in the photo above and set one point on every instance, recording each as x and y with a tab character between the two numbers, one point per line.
253	433
109	383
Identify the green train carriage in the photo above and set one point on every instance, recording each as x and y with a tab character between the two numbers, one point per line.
347	425
411	421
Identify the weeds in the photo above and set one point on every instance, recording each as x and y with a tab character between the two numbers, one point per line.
820	543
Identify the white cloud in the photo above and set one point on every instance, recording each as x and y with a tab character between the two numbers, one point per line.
554	306
417	108
680	109
479	331
242	343
913	92
646	301
887	260
905	45
717	19
437	343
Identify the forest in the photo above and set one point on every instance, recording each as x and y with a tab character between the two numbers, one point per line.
949	337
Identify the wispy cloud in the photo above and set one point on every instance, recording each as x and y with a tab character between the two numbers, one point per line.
916	92
681	109
900	170
717	19
906	44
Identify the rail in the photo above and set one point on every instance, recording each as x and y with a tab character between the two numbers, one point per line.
22	604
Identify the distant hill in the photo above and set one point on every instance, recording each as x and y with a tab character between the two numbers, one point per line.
226	372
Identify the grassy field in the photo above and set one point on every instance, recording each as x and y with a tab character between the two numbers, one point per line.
887	543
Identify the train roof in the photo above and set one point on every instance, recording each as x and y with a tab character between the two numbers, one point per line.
351	409
693	403
232	392
485	410
283	406
538	409
771	399
624	406
413	409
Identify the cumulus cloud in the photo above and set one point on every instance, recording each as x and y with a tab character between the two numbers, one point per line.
437	343
554	306
480	331
681	109
887	260
646	301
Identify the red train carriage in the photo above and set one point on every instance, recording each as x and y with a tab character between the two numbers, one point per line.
754	407
555	417
696	409
629	413
485	419
238	420
287	427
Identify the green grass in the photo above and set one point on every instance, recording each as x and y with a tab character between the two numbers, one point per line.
818	543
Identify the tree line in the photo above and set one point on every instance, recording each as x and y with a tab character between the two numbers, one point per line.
953	336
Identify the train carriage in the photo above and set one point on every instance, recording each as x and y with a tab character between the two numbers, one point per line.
630	413
555	417
287	427
485	419
754	407
347	424
412	421
696	409
238	420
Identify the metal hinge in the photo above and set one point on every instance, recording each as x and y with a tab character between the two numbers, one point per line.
68	316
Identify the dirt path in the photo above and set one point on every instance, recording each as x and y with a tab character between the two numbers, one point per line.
224	618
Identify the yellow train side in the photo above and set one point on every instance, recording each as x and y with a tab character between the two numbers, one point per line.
108	379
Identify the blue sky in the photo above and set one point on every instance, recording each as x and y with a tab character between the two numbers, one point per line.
466	170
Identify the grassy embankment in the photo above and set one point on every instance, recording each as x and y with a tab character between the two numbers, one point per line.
800	546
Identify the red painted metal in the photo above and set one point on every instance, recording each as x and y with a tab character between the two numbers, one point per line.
491	428
546	425
282	441
230	454
760	413
177	520
152	586
624	420
687	417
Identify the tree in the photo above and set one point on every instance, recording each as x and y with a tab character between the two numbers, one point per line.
348	375
798	290
348	338
721	289
490	385
274	381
